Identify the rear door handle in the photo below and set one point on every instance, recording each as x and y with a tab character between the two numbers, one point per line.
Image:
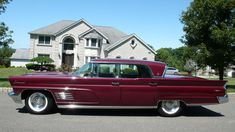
115	83
153	84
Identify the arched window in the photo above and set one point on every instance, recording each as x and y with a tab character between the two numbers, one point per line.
68	43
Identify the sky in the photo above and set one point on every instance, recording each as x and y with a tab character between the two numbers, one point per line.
157	22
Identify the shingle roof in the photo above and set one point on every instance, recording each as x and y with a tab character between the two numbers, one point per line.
21	54
54	28
111	33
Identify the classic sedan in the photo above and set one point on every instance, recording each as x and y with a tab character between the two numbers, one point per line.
116	84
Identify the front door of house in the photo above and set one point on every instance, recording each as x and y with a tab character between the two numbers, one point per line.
68	59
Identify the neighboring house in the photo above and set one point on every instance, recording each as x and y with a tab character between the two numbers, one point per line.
75	43
20	57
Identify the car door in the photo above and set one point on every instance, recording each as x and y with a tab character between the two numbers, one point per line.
138	88
100	86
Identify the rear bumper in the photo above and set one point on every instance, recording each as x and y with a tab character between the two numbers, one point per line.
15	97
222	99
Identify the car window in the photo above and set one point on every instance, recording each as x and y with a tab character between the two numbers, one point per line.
105	70
134	71
84	71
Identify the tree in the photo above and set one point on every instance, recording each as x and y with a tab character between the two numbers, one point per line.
170	56
5	38
42	60
209	25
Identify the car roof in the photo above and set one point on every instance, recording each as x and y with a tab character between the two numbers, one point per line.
127	61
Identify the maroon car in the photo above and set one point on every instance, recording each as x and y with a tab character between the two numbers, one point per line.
116	83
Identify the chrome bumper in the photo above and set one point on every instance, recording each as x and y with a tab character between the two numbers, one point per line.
222	99
15	97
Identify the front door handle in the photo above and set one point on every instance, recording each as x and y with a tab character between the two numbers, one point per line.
115	83
153	84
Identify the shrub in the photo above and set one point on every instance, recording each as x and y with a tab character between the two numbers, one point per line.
31	66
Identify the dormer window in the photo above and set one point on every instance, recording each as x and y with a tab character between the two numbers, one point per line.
44	39
93	42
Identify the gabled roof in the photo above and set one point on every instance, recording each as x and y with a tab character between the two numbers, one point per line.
91	30
52	29
123	39
21	54
111	33
58	27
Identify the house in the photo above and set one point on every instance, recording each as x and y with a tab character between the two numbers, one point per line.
75	43
20	57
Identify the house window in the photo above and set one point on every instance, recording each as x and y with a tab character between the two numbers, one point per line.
43	55
90	58
44	39
99	42
87	42
68	46
93	42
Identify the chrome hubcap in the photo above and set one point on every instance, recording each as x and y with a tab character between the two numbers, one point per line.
38	102
170	106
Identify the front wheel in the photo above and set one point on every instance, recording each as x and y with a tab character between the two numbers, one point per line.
39	103
170	108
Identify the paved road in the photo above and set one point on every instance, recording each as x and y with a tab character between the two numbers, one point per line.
217	118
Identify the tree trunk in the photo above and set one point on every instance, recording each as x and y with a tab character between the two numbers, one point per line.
221	73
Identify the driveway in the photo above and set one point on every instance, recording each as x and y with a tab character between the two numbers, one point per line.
215	118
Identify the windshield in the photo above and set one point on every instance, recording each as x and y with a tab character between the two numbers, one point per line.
84	71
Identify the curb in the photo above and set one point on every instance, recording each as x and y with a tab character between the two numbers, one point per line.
5	89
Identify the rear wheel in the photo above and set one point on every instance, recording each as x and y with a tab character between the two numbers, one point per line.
39	103
170	108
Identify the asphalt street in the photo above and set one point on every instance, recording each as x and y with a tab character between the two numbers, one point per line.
213	118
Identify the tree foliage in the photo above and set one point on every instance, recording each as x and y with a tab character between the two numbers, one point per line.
3	5
209	25
42	60
5	54
5	38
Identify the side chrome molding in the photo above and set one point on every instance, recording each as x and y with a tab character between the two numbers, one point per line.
104	107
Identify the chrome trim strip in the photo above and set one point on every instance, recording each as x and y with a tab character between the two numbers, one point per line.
222	99
15	97
104	107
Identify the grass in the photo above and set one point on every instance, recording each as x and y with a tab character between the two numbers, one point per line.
7	72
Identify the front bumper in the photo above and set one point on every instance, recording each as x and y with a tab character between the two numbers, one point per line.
222	99
15	97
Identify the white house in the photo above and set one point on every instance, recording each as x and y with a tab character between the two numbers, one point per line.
75	43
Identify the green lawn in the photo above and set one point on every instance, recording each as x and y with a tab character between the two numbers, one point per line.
6	72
